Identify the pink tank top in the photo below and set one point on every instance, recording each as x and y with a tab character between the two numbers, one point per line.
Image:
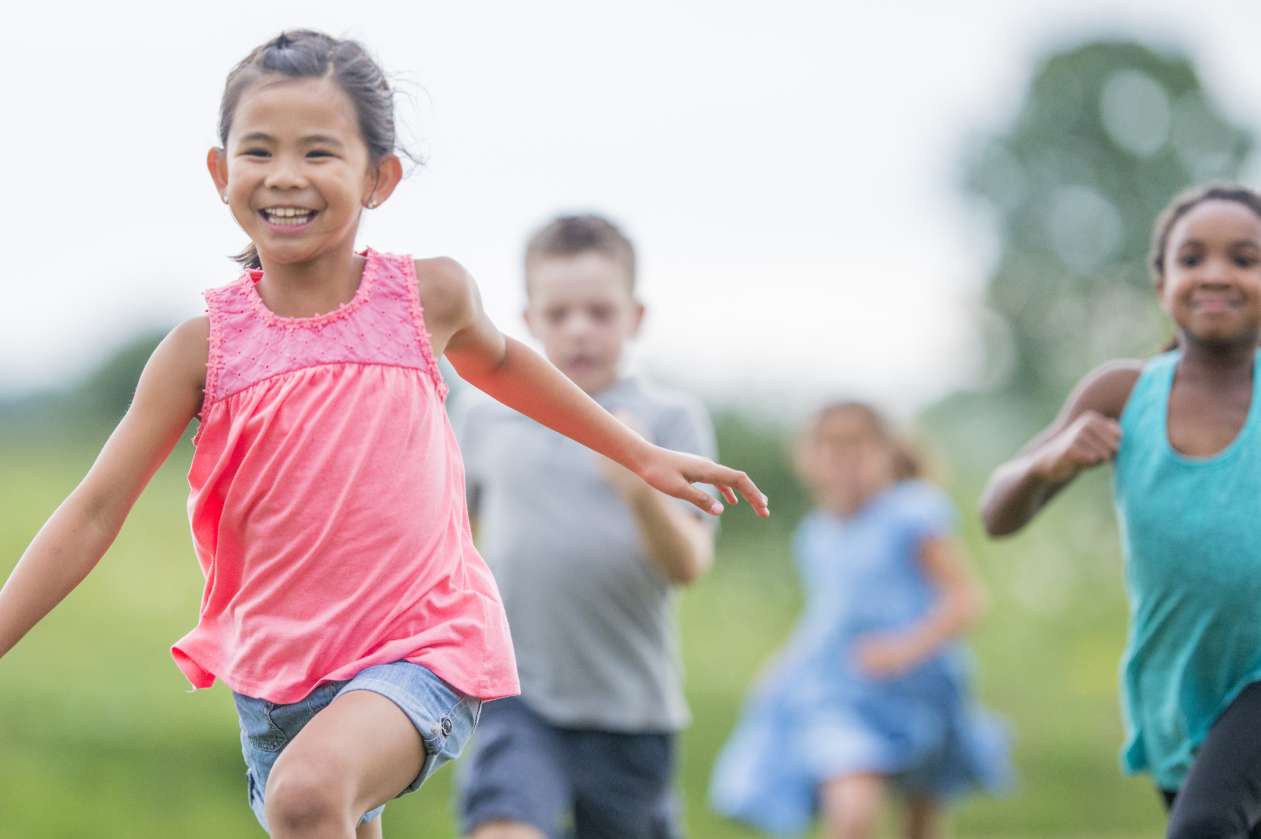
327	501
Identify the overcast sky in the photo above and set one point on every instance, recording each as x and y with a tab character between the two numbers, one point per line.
787	169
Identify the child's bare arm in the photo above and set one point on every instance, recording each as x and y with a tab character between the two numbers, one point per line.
1086	433
80	531
520	378
958	607
676	541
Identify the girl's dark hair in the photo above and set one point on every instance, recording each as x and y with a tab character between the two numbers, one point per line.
303	53
1179	207
907	463
1185	203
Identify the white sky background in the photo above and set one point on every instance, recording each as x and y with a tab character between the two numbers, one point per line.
788	170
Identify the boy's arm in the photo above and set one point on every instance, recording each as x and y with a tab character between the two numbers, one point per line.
1086	433
518	377
80	531
676	541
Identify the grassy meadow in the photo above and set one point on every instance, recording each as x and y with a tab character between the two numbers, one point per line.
100	737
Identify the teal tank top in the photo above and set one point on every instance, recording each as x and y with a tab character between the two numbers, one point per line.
1191	530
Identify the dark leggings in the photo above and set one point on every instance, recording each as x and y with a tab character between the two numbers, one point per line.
1221	797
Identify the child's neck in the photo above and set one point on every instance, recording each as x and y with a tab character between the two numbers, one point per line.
313	287
1219	362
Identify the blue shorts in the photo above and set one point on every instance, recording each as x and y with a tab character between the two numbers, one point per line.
567	782
444	717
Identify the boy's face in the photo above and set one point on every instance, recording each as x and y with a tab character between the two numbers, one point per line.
580	307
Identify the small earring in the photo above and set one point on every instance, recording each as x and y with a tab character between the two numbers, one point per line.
224	197
372	205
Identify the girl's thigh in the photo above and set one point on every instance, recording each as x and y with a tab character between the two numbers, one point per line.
1222	792
362	750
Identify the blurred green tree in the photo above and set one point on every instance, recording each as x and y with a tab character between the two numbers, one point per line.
1107	134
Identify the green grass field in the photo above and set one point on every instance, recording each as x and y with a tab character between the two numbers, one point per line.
100	738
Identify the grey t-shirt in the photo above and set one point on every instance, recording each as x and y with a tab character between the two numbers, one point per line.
592	617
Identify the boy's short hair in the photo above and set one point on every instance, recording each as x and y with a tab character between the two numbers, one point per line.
571	235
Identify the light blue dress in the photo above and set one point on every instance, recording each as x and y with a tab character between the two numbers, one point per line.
815	716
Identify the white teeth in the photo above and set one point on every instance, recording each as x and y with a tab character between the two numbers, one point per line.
288	215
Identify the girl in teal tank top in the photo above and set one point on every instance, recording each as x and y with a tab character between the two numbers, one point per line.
1181	430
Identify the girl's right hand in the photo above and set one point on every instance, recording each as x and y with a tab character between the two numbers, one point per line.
1091	439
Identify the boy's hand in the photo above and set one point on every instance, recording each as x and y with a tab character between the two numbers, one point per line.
674	473
887	656
1088	441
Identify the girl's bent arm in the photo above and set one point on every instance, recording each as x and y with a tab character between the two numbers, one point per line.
520	378
957	608
80	531
1086	433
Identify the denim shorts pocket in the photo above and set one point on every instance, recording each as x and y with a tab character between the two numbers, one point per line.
257	727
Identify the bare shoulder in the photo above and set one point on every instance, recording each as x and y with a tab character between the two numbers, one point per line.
187	346
447	292
192	331
1107	388
176	372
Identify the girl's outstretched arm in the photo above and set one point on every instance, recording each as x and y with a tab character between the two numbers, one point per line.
1086	433
957	609
80	531
523	380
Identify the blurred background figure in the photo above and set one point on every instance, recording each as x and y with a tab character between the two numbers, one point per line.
871	694
586	556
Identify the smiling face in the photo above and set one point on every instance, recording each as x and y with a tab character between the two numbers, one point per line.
1211	286
845	459
295	171
581	309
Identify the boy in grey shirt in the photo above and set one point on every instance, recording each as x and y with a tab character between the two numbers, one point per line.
586	556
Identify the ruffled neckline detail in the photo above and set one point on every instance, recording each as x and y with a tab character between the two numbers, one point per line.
251	277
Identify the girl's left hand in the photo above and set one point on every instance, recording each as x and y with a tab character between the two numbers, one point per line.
887	656
674	473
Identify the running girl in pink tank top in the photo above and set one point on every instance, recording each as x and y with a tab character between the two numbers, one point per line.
345	605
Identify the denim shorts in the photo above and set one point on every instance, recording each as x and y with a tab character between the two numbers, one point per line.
444	717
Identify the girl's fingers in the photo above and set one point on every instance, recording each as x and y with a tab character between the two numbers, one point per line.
757	500
1093	452
706	502
1107	431
731	483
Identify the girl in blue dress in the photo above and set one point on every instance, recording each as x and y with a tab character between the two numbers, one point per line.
871	693
1182	431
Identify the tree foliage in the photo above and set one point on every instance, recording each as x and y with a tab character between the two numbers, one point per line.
1107	134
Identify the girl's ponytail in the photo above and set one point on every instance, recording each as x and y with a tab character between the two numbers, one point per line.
248	258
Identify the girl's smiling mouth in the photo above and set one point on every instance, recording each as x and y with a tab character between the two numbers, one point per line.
1213	303
287	218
